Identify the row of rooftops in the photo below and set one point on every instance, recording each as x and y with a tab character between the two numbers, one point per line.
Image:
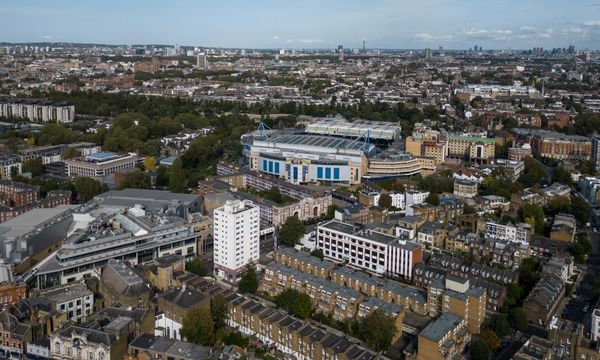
546	291
473	269
327	337
42	102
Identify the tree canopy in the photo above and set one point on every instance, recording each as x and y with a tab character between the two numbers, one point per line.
378	329
290	231
249	280
295	302
87	188
198	326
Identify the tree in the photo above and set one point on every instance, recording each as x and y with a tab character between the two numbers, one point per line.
318	253
581	209
14	172
249	280
136	180
198	326
561	175
55	134
150	163
295	302
162	177
479	350
378	330
498	324
534	172
86	188
385	200
70	153
518	319
290	231
196	266
433	199
535	212
490	338
34	166
177	181
218	310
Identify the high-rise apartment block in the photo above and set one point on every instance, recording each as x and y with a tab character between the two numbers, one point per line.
236	238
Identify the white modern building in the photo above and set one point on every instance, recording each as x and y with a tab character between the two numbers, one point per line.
236	238
366	249
100	164
520	232
595	332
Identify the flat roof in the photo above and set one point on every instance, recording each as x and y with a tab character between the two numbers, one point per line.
437	329
318	141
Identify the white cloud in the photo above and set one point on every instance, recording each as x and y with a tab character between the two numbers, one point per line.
275	37
46	37
304	41
430	37
592	23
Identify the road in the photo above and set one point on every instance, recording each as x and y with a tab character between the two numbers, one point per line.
584	290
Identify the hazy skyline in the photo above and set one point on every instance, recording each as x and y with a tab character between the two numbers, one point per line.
457	24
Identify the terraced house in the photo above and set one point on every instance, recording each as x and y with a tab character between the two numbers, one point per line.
289	335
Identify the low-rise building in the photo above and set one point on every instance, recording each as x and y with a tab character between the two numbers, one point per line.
302	261
444	338
100	164
544	299
520	233
563	228
118	283
14	336
148	346
74	299
465	188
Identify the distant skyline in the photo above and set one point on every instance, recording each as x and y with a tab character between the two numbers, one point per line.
385	24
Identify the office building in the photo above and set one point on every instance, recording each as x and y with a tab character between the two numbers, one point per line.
135	235
590	188
100	164
236	238
366	249
559	146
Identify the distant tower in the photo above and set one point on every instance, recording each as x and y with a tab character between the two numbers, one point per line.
202	61
341	52
364	47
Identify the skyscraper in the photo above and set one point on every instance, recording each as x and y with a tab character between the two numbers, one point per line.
202	61
364	47
341	52
236	238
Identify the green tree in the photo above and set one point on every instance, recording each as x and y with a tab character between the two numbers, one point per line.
478	350
198	326
218	310
581	209
177	180
55	134
196	266
385	200
162	177
518	319
86	188
318	253
136	180
433	199
290	231
295	302
34	166
70	153
499	324
534	172
249	280
490	338
378	330
561	175
535	212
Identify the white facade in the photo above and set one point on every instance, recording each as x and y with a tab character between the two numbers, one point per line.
595	332
509	232
166	327
375	252
236	238
415	197
37	110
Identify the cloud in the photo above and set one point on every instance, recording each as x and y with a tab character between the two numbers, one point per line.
430	37
46	37
486	34
592	23
275	37
305	41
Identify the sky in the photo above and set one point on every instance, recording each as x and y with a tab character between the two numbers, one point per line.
297	24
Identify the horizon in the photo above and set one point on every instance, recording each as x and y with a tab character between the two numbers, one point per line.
267	24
